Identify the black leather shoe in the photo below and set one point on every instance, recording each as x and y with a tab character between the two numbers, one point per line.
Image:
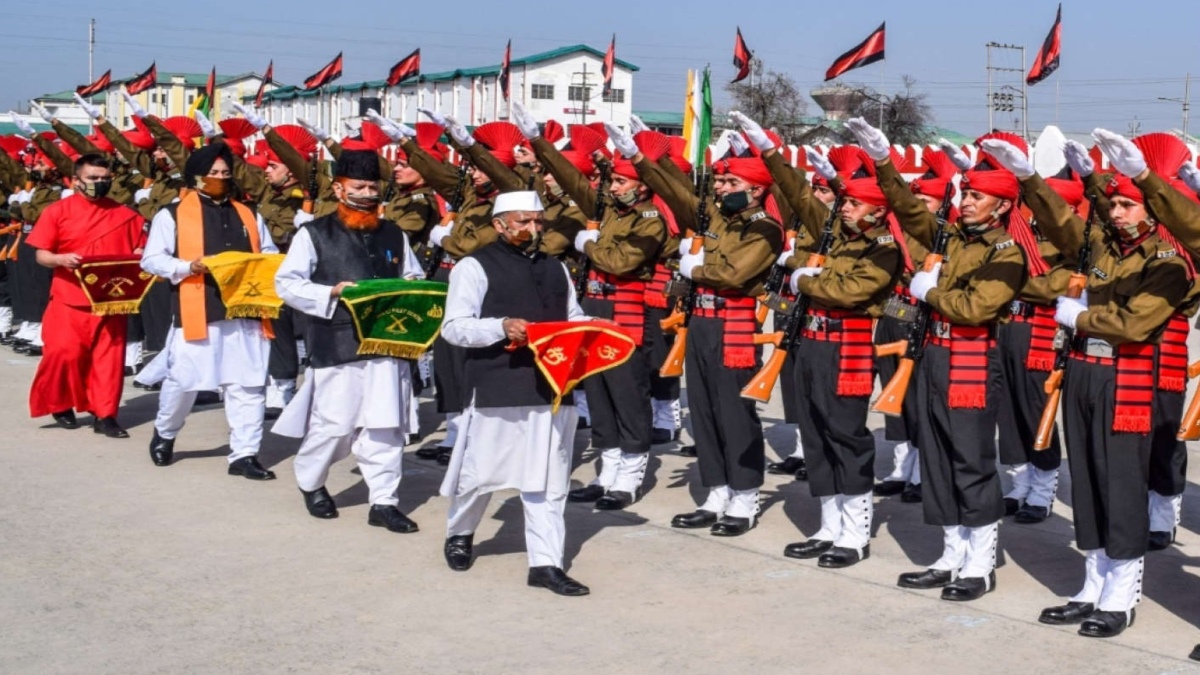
966	589
556	580
1160	541
802	472
911	494
838	557
925	579
66	419
459	551
1011	506
687	450
1195	655
320	503
803	550
250	468
1029	514
732	526
21	347
33	350
1106	624
661	436
109	427
588	493
615	500
443	456
1072	612
584	423
272	414
6	338
790	465
888	488
429	451
387	515
412	439
161	449
694	520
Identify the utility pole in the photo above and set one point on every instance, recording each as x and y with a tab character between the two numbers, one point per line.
1186	101
587	88
1003	102
91	50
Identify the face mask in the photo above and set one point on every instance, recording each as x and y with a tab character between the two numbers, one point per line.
626	200
526	240
1131	232
361	202
734	202
96	190
216	189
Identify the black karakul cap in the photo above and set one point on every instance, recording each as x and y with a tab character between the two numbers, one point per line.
358	165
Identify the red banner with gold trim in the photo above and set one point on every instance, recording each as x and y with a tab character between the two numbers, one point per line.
567	352
114	284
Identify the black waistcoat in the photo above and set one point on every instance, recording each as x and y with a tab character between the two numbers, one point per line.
223	231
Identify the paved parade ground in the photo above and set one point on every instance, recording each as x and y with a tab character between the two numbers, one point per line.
112	565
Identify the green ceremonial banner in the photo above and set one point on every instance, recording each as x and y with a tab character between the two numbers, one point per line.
396	317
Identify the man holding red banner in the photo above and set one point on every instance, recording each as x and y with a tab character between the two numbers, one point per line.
511	434
84	355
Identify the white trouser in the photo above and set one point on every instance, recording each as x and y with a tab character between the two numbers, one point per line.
981	551
900	465
630	472
798	452
1095	566
23	331
545	528
1122	585
743	504
610	464
133	354
1164	512
831	519
667	415
6	319
414	416
244	408
913	461
453	421
581	404
1021	483
280	392
378	451
954	549
425	368
1042	487
856	512
717	500
35	333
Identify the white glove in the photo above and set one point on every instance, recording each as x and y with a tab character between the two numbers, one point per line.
301	218
636	125
1009	156
439	232
1190	175
685	244
1067	311
923	282
788	252
799	274
689	262
41	112
22	126
525	122
393	130
1079	159
955	153
91	110
252	117
622	140
141	195
740	147
1121	152
753	131
66	193
435	117
26	196
820	164
584	237
458	132
206	125
134	107
872	140
320	134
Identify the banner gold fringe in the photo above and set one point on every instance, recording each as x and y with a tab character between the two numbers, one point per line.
251	312
373	347
116	308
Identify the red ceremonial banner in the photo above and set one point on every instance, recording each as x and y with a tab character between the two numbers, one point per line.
114	284
567	352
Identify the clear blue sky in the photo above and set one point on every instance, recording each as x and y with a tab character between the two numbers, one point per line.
1118	57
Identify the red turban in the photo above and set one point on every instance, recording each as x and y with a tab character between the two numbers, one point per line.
750	169
1070	189
1004	185
1164	154
865	190
500	138
580	160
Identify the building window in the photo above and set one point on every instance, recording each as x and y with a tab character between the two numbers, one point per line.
576	93
154	97
543	92
191	99
615	96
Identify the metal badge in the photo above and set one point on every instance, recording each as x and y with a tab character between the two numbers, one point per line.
899	310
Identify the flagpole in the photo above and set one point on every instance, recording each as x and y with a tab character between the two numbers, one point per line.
882	79
1057	93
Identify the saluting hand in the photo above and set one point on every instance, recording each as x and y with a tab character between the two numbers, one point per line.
622	140
872	140
1079	159
820	164
206	126
1190	175
320	134
41	112
1010	157
22	126
250	116
1121	152
458	132
525	122
135	108
91	110
955	153
434	116
396	132
753	131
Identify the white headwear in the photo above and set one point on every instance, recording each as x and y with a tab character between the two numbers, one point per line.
517	201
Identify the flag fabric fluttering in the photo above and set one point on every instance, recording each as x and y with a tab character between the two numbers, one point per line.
140	83
864	53
741	58
102	83
1046	61
327	74
608	67
262	87
697	117
409	66
505	68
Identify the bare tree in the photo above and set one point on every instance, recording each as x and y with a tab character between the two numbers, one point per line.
773	100
907	118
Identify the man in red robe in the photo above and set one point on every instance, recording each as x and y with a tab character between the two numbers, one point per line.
84	355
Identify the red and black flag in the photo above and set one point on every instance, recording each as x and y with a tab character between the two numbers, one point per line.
210	87
864	53
505	69
741	58
409	66
1046	61
331	72
609	65
142	82
102	83
262	87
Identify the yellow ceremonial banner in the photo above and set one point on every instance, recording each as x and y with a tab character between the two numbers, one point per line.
114	284
247	283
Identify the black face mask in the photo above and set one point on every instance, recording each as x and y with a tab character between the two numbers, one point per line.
96	190
734	202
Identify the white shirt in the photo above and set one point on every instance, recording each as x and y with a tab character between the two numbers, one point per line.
293	280
158	258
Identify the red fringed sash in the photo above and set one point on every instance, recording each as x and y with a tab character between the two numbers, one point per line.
738	313
968	363
1041	338
1173	355
856	363
656	288
1135	388
627	297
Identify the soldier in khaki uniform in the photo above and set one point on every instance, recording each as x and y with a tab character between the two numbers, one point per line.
989	253
741	243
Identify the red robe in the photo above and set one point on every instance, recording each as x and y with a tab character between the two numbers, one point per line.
83	360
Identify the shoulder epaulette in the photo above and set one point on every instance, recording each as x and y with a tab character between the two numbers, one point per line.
758	216
418	196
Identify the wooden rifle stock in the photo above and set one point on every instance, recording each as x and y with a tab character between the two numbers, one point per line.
760	386
896	348
1189	427
1045	430
891	399
673	365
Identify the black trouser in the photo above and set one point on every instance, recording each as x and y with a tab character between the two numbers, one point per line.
1109	469
619	399
34	285
449	375
904	426
284	361
1168	455
657	345
726	427
156	316
958	449
1021	399
838	448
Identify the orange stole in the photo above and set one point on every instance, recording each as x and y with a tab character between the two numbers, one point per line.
189	233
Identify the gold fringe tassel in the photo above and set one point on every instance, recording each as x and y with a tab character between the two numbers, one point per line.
400	350
116	308
251	312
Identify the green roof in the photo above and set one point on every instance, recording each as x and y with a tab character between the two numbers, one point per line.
8	128
291	92
660	118
69	95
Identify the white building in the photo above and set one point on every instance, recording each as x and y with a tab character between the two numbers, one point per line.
564	84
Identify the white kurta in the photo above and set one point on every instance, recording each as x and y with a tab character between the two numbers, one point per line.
527	448
371	394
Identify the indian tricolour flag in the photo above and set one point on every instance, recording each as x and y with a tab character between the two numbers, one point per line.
697	117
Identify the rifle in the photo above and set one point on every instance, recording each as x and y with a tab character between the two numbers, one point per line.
584	267
678	321
891	399
388	193
432	255
1189	427
785	338
1075	288
771	299
310	196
